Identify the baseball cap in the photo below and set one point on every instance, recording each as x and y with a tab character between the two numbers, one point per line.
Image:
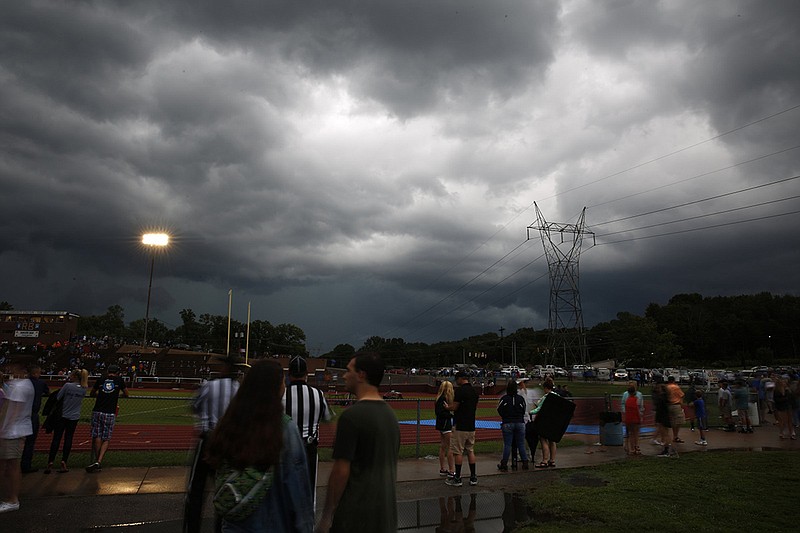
462	374
113	369
298	367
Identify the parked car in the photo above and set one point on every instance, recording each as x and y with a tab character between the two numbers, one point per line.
620	373
392	395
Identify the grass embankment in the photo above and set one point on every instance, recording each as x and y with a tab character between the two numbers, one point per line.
714	491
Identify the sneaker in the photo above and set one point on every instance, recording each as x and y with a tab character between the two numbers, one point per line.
678	440
657	442
6	507
663	454
701	442
443	472
453	481
94	467
473	481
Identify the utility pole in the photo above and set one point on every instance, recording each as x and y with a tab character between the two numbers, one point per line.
567	334
502	348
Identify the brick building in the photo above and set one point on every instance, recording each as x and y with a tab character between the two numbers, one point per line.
26	328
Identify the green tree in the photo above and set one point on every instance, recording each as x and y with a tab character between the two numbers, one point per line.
340	355
290	340
261	335
637	341
113	322
214	330
5	306
190	329
157	331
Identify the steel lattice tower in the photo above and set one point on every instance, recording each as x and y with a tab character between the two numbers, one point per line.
567	334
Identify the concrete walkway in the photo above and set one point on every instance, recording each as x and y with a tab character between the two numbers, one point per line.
142	497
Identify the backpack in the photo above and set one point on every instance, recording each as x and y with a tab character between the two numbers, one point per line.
238	493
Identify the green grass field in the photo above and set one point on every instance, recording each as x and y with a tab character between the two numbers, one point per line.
716	491
171	407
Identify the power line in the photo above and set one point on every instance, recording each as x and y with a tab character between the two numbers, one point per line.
696	177
484	292
702	228
716	197
457	290
701	216
675	152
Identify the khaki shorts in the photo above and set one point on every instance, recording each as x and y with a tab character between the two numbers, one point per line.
462	442
11	448
676	416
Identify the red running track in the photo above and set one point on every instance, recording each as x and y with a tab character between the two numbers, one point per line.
137	437
161	438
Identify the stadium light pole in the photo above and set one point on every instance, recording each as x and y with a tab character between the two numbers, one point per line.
154	241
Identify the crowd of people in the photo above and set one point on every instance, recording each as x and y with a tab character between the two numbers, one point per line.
256	423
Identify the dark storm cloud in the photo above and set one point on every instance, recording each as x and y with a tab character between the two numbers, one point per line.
380	158
408	56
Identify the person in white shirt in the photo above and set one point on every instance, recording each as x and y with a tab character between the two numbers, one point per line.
15	425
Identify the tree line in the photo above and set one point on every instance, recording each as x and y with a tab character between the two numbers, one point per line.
204	332
689	330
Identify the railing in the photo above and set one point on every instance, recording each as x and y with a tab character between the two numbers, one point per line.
165	422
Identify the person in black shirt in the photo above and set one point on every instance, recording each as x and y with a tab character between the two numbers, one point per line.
464	406
512	409
104	415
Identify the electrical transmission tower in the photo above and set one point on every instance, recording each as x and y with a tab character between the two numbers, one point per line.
567	334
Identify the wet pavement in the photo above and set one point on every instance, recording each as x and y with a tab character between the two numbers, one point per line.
151	499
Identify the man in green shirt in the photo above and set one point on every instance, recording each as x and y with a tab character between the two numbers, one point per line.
361	488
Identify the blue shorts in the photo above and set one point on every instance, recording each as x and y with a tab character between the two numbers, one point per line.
102	425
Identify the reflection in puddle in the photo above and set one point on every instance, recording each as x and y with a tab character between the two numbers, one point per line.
482	513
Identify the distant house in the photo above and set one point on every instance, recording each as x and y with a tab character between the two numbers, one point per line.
27	328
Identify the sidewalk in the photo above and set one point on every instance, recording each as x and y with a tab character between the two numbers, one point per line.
151	498
165	480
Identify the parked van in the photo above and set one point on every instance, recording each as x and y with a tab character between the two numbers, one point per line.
603	374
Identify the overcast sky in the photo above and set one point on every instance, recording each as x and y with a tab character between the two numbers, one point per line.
370	168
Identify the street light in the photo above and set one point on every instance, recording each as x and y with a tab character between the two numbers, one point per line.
155	241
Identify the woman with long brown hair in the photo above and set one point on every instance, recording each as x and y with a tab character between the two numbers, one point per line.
254	433
444	425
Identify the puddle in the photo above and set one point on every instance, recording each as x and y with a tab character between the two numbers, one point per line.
483	513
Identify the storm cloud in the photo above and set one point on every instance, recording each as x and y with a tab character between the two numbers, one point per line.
370	168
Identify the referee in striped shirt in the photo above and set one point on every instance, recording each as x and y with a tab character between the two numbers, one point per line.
209	405
306	405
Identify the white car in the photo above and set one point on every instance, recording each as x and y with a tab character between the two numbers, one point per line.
621	373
